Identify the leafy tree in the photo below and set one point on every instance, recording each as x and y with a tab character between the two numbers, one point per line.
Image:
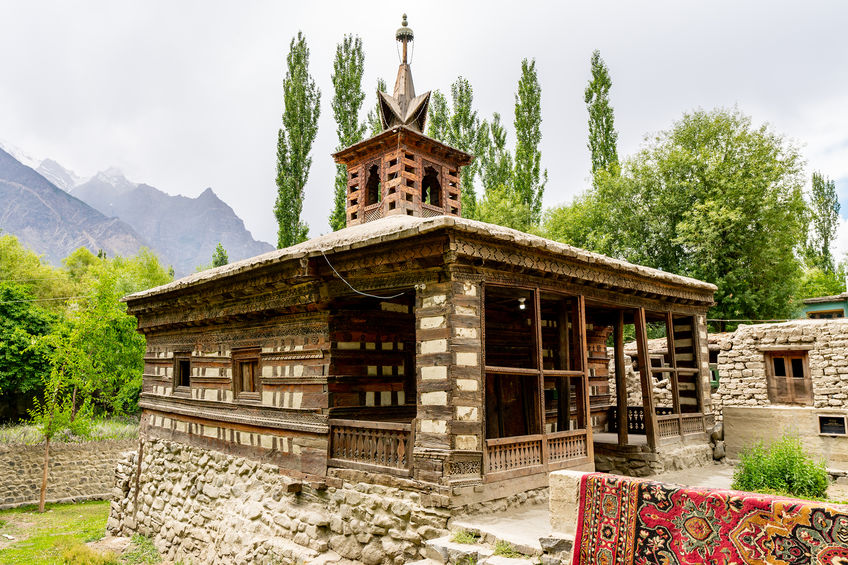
496	163
503	207
347	101
459	127
65	404
602	134
528	179
220	258
375	126
21	266
817	282
301	101
824	212
22	323
713	198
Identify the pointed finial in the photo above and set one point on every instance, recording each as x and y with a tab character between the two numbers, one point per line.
403	23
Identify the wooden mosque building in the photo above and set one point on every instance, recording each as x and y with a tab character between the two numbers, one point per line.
415	343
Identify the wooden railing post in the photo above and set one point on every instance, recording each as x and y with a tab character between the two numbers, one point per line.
620	380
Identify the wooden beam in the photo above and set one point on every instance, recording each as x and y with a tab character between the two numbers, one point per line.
645	378
620	380
672	360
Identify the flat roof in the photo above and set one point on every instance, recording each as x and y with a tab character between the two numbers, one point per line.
834	298
399	227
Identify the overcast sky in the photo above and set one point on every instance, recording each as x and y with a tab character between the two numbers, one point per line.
185	95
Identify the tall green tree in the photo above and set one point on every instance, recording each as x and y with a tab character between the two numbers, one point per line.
301	109
375	125
714	198
460	127
348	66
496	163
602	134
824	219
528	179
220	258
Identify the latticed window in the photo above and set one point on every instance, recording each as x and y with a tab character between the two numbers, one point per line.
788	376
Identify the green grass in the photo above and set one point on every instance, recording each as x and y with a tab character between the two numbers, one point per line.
505	549
41	539
111	428
463	536
141	552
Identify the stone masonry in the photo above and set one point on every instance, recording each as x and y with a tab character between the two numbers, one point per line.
742	369
209	507
78	471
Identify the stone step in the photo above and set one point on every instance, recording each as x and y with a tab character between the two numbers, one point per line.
443	550
425	562
501	560
522	540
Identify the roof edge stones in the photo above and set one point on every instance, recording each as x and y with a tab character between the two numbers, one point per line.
399	227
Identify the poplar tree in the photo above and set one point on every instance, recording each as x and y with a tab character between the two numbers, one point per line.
496	163
602	134
348	66
824	219
375	126
459	127
528	179
301	108
220	258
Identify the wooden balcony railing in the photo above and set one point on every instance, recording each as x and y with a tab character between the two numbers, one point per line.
565	446
522	455
384	447
669	426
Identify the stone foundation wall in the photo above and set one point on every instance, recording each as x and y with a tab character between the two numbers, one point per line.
639	461
205	506
78	471
742	362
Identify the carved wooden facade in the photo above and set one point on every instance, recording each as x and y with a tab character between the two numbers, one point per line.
401	171
415	384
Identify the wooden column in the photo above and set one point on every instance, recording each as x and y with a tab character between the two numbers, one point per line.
645	378
620	380
584	360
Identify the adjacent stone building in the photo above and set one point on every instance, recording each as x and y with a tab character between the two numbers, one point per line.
787	377
354	391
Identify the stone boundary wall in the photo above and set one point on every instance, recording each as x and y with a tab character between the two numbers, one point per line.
78	471
206	506
742	368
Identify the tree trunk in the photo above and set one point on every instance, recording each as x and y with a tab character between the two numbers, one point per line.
44	474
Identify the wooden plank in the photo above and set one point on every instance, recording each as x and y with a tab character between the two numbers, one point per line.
620	380
645	378
672	358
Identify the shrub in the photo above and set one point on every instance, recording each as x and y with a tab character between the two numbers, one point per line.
783	468
463	536
80	554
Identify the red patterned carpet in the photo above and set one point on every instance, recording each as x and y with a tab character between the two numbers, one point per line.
628	521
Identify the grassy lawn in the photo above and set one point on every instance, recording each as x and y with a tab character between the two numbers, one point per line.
57	536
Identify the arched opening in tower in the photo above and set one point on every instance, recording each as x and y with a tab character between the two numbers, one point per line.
372	186
431	190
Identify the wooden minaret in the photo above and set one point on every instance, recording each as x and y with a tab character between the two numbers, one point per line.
401	170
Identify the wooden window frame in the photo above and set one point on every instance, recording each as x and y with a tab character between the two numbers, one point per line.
771	378
180	357
817	314
239	358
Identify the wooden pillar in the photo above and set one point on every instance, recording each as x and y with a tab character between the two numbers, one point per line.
620	380
645	378
583	395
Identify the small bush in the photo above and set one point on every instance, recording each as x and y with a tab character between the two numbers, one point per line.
80	554
505	549
463	536
782	468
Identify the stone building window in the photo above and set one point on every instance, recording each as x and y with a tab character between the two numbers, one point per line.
788	377
182	371
246	373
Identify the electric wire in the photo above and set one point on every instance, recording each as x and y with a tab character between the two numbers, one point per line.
351	286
